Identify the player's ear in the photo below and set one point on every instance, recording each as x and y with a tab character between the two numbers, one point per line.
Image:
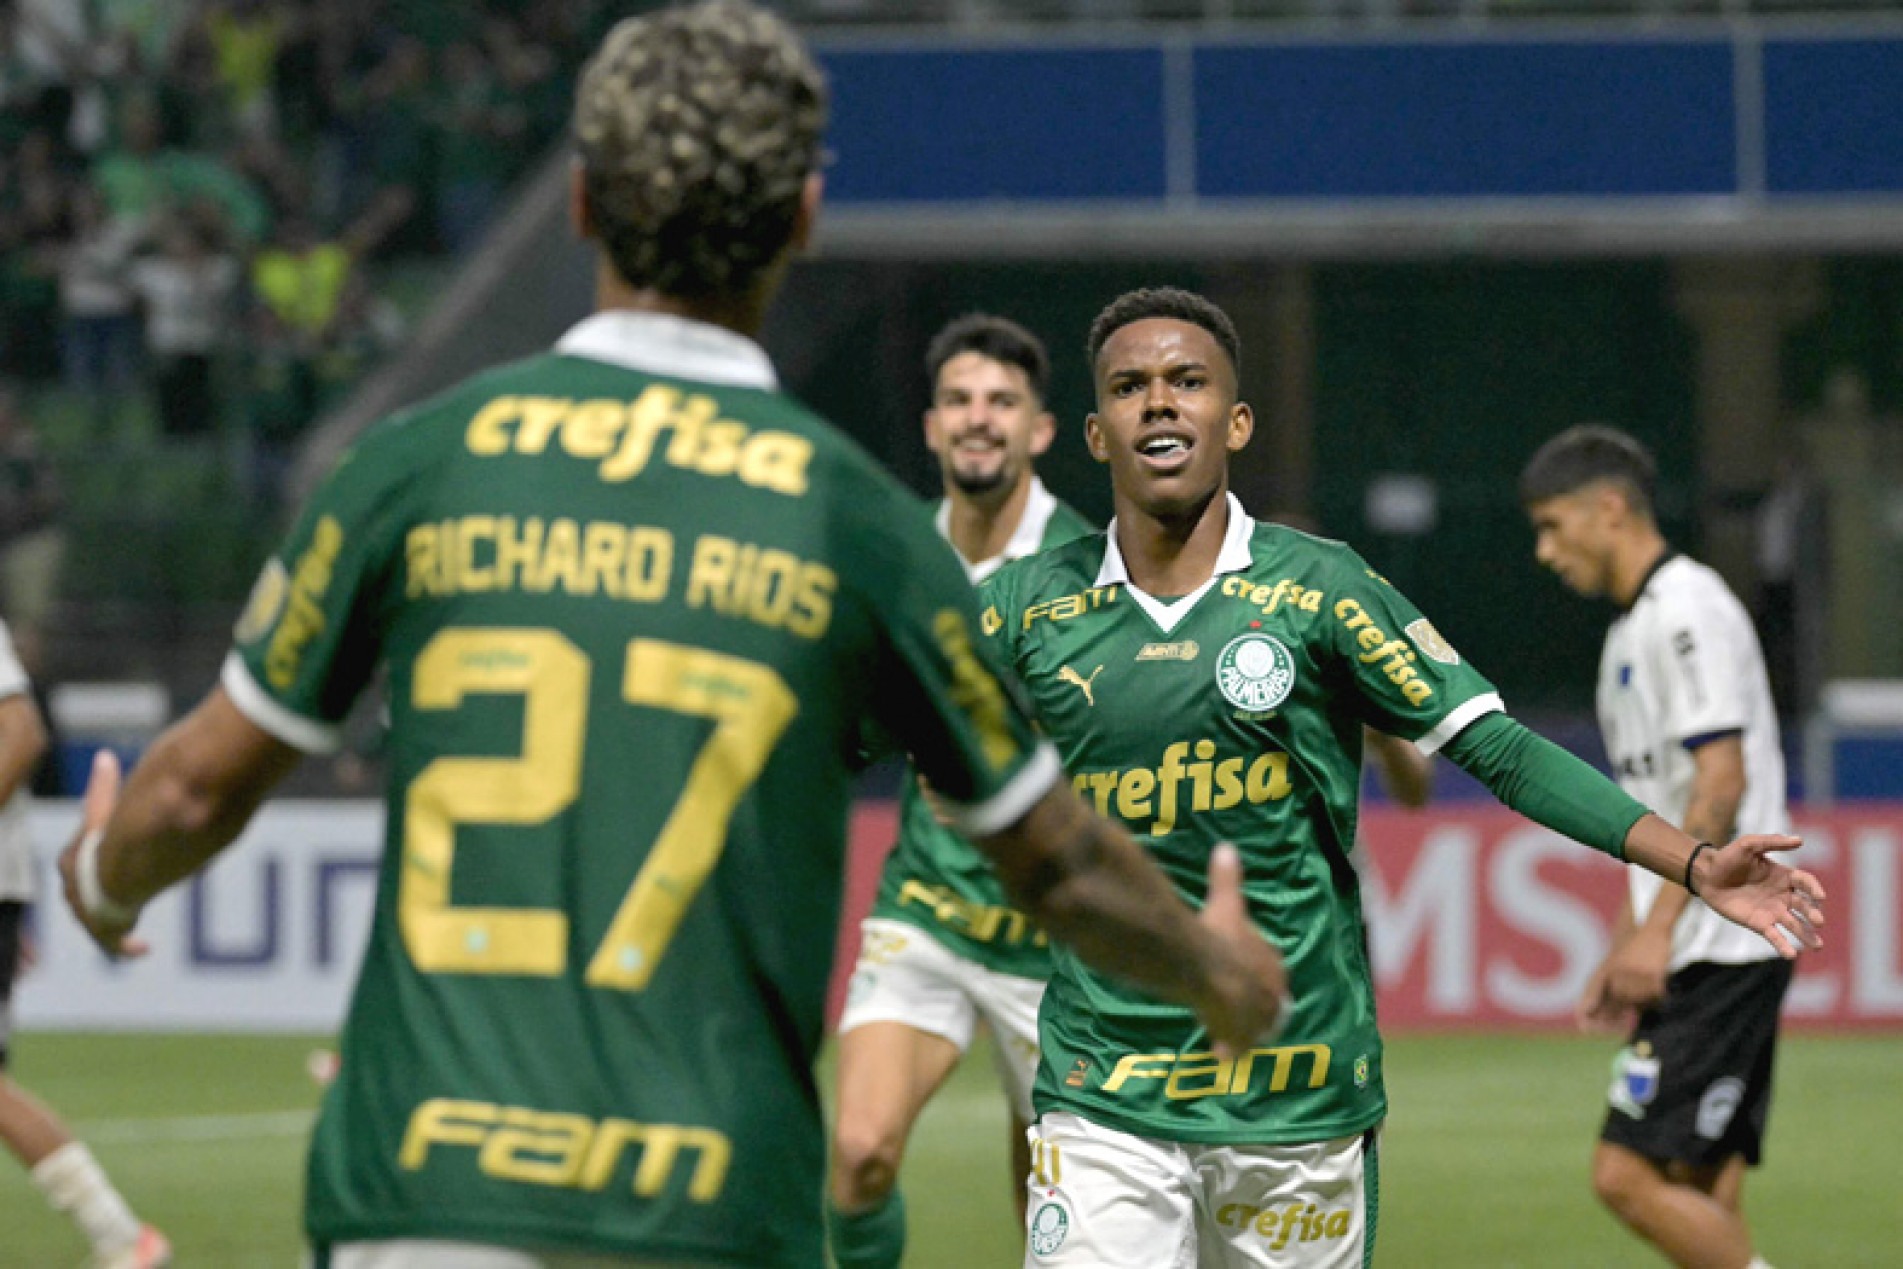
934	429
804	221
580	218
1043	432
1093	439
1241	426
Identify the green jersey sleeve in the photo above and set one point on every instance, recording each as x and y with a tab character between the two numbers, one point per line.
938	690
305	645
1409	679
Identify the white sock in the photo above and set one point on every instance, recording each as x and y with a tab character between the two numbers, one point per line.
1758	1262
74	1183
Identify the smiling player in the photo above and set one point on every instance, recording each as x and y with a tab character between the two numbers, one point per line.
1233	665
944	946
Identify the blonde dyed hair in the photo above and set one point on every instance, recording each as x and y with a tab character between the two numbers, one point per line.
697	128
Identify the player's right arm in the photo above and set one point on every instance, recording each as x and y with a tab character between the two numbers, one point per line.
1082	878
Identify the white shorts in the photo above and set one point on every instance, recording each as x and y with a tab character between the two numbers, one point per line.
1111	1200
905	975
424	1253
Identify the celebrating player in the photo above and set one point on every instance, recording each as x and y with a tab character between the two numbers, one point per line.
633	603
1685	710
1233	666
943	947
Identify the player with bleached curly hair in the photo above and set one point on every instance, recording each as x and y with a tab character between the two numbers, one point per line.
635	605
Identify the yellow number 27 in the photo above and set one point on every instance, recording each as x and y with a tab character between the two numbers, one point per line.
750	705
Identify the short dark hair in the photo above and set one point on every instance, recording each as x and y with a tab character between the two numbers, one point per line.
1585	455
1164	301
999	338
697	128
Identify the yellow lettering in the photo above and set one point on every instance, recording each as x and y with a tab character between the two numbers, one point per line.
470	575
1139	1066
1214	1072
441	1121
776	461
651	412
690	417
487	434
1133	794
1371	637
1417	691
1268	778
603	553
535	1147
813	605
1351	614
540	417
516	556
420	561
591	428
1284	1065
561	558
650	563
1229	789
710	577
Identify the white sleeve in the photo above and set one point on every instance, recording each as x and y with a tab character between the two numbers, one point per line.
13	680
1697	656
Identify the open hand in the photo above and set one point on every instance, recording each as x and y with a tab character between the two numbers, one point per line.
1783	904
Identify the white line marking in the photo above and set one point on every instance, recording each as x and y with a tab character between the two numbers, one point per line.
268	1123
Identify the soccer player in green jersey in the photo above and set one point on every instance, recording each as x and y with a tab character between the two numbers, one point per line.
1233	665
633	604
943	946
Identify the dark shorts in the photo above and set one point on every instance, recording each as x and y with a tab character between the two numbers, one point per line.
1693	1085
12	917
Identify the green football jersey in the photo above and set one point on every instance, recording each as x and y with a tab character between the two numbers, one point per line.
1233	714
935	879
632	603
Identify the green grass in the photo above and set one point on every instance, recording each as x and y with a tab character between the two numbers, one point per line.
1484	1162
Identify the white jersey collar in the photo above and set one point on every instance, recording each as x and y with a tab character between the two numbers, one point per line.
1234	557
1025	539
669	345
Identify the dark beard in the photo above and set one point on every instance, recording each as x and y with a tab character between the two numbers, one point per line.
979	483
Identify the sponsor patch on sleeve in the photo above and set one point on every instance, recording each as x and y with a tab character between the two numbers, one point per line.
1429	641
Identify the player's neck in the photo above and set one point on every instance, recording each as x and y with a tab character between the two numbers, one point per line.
980	527
744	315
1633	562
1171	555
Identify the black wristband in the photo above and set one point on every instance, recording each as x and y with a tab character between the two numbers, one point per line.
1696	851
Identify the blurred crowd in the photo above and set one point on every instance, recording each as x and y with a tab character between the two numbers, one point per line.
216	216
196	198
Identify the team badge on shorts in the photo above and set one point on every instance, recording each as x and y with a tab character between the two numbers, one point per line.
1635	1080
1255	672
1050	1225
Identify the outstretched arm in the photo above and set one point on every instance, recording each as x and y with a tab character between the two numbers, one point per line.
1551	787
187	800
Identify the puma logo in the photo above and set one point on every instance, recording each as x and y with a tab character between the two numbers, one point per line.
1069	675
